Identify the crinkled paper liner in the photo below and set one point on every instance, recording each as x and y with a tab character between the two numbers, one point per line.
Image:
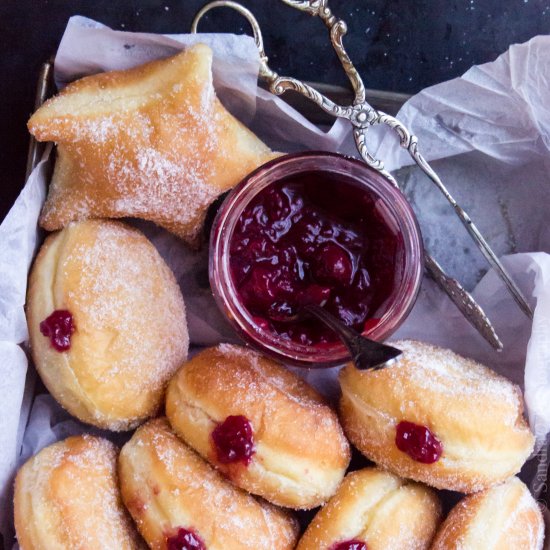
488	134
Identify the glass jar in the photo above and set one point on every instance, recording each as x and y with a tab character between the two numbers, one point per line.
408	267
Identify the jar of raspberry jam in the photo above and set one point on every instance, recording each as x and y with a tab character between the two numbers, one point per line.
314	228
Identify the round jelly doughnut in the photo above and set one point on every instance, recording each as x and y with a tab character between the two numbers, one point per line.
436	417
67	496
504	517
375	510
106	322
261	425
179	502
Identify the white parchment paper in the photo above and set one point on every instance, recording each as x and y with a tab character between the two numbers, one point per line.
488	133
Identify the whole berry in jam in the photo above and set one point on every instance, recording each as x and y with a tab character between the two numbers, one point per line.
185	539
234	440
418	442
336	265
58	327
350	545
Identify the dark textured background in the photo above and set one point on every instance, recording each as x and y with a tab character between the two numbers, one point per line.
399	45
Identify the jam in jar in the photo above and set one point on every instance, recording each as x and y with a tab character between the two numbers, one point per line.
314	228
314	238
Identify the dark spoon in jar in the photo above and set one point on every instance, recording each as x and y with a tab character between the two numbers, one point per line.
366	354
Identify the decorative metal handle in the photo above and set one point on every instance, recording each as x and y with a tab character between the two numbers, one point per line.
265	72
362	116
464	302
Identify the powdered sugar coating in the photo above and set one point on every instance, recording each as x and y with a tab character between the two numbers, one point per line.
153	142
300	452
505	517
131	331
475	414
165	485
378	508
67	497
438	369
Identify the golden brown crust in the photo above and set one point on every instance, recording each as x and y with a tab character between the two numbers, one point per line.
301	452
378	509
166	486
131	332
476	414
67	497
152	142
505	517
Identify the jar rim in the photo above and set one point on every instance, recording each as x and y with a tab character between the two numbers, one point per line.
357	173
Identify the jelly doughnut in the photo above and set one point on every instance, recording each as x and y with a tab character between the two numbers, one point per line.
375	510
504	517
436	417
262	426
179	502
67	496
106	322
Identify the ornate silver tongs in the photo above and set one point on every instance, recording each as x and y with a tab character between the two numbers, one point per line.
362	116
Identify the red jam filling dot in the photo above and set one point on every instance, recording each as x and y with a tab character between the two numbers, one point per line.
233	440
350	545
314	238
58	327
418	442
185	540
